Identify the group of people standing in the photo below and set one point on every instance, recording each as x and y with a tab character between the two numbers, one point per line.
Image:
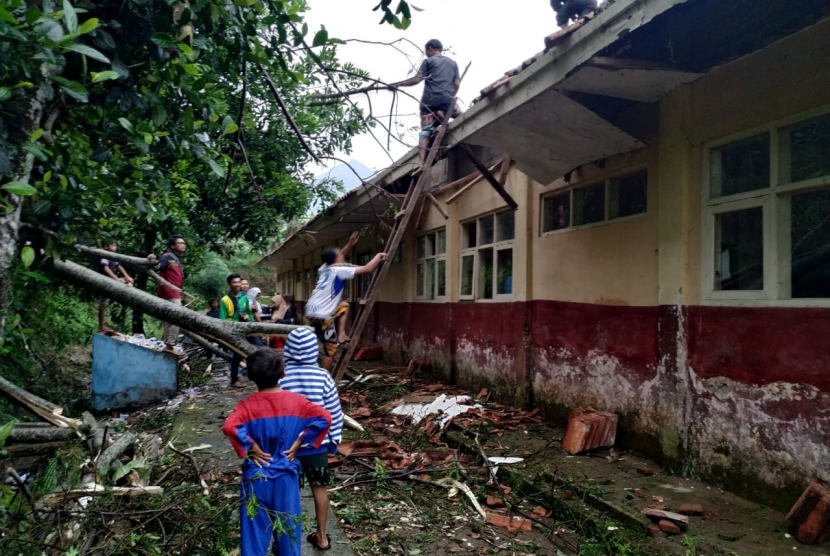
240	304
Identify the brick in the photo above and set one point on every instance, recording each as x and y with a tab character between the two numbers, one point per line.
589	429
639	494
368	353
654	530
567	495
660	507
691	509
658	515
809	518
512	524
494	502
645	470
669	527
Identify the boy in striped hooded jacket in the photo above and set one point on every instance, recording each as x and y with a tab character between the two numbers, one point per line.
304	377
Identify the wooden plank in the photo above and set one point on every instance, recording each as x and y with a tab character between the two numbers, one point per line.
398	231
491	179
438	206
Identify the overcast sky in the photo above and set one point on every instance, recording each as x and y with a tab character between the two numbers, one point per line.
495	35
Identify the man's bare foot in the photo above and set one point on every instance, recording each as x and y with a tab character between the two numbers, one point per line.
343	339
236	384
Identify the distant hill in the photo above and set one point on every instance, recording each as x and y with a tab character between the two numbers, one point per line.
344	174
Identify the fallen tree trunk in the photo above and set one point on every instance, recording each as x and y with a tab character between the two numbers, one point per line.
43	449
34	435
17	393
231	334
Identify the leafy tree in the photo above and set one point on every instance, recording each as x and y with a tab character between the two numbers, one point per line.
147	117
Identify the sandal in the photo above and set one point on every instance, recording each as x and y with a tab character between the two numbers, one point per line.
312	538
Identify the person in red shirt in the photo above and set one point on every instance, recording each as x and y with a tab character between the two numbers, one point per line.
170	268
268	429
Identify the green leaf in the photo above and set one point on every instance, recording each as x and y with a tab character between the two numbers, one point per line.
70	16
25	84
87	51
36	135
163	39
191	69
19	188
125	123
233	128
104	76
36	152
89	25
7	17
6	430
159	115
27	255
5	93
218	170
226	123
320	38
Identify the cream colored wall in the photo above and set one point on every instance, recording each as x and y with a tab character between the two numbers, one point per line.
783	80
611	263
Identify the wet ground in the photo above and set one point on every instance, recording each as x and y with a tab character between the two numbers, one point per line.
595	499
198	421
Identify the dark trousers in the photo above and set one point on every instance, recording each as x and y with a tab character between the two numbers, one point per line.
572	9
236	359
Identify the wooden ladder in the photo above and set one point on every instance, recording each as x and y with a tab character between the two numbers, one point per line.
402	220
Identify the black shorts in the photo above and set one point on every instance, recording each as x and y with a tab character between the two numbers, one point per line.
315	468
430	110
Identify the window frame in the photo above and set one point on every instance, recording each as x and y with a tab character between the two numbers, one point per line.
435	256
775	200
606	220
495	246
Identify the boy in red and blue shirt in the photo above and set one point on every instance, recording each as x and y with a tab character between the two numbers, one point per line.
268	429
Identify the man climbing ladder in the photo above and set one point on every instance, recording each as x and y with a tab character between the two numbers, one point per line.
325	311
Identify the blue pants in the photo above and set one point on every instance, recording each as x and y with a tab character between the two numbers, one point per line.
276	499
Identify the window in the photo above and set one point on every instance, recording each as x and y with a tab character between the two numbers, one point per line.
431	265
487	256
618	197
363	280
767	215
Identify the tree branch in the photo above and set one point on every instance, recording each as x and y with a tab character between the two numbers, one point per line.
287	114
231	334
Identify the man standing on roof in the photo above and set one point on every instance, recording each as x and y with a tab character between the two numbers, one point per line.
572	9
324	310
441	85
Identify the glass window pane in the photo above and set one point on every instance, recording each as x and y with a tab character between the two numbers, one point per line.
810	222
467	274
422	248
740	167
430	245
485	230
442	278
556	212
469	233
419	280
505	225
430	293
589	204
805	150
504	264
739	250
485	274
441	246
628	195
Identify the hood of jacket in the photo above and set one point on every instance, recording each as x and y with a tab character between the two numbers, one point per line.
301	347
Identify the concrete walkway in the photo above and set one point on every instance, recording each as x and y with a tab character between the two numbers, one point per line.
199	421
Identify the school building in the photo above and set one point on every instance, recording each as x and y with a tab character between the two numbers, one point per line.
669	259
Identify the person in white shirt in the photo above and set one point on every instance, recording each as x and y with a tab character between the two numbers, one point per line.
325	310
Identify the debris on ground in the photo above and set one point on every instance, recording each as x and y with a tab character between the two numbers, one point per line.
372	352
809	518
589	429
